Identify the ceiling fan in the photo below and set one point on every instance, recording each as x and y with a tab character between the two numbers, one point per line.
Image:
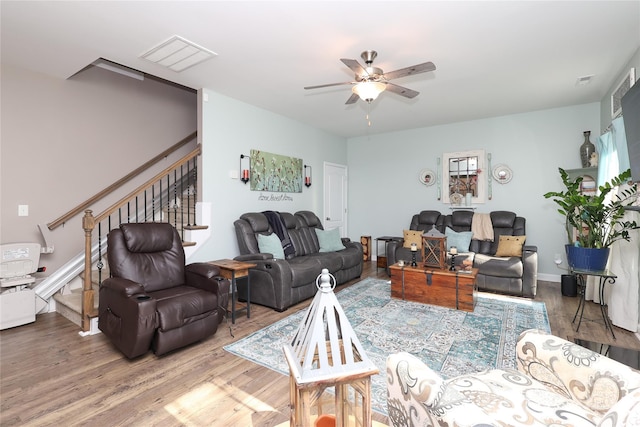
370	81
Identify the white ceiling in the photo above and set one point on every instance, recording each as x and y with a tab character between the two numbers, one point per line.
492	58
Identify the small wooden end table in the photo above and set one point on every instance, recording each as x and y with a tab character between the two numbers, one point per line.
233	270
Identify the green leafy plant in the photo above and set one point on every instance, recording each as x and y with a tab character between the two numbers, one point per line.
598	218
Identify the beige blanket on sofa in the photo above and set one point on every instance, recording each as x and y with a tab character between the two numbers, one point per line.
481	227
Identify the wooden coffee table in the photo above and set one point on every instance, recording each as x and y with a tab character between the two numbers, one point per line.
232	270
452	289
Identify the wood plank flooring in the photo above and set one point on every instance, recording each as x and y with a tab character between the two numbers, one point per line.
49	375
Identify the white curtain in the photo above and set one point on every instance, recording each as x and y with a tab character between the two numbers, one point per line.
623	296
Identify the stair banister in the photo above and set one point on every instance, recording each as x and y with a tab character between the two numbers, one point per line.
114	207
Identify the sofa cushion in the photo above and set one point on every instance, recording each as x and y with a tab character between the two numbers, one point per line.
304	270
181	305
460	240
488	265
351	257
270	244
412	236
510	246
329	240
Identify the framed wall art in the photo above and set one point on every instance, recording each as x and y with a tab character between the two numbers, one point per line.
275	172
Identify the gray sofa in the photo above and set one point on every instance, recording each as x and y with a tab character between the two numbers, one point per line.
508	275
281	283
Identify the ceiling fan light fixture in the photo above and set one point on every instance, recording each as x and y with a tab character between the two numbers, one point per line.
369	91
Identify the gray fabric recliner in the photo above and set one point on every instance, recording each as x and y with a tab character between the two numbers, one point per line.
281	283
508	275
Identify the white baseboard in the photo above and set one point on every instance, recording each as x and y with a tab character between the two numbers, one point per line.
549	277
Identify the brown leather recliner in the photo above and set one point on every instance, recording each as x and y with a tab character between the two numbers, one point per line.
152	299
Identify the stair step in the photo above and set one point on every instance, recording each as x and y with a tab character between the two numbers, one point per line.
70	305
196	227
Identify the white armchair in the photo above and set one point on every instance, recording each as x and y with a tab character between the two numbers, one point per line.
558	383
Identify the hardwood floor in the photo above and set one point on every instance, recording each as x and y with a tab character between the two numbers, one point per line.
51	376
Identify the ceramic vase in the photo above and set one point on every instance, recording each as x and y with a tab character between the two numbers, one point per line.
586	149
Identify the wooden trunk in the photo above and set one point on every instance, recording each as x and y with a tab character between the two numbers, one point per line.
452	289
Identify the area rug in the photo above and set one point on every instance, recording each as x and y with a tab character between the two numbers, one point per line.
451	342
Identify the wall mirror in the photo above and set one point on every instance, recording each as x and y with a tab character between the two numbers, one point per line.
462	173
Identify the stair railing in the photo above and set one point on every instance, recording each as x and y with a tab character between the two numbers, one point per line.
145	203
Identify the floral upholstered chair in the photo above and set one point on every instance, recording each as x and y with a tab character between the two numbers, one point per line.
558	383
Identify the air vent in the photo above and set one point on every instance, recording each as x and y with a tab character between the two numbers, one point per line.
584	80
178	54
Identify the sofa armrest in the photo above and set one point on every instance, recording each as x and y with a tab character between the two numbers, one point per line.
392	246
419	396
588	378
529	271
270	277
254	257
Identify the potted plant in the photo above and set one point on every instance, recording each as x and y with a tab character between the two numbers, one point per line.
594	221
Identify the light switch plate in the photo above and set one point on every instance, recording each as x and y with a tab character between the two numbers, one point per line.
23	210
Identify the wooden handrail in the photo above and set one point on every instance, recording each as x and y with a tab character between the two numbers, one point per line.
117	205
82	206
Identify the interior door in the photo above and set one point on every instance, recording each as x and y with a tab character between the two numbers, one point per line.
335	197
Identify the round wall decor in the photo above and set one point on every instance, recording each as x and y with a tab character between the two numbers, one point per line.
502	173
427	177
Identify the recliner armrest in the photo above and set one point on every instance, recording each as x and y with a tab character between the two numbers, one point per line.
254	257
203	269
205	276
529	248
124	287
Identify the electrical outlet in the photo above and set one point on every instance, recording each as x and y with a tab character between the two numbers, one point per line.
23	210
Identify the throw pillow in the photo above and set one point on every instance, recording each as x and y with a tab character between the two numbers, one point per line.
271	244
460	239
329	240
510	245
412	236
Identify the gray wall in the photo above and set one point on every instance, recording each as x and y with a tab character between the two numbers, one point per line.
62	141
385	191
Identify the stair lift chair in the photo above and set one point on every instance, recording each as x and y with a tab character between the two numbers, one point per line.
152	300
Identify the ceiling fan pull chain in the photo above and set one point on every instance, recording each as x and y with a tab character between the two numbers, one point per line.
368	111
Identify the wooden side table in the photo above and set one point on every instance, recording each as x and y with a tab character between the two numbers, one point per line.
232	270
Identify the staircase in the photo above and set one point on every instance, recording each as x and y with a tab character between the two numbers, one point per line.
169	196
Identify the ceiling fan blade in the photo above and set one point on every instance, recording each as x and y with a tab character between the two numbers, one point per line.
329	85
415	69
355	66
403	91
352	99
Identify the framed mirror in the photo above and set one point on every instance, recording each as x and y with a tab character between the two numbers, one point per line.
462	173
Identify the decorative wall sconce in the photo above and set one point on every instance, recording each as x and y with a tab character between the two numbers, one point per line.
244	168
307	175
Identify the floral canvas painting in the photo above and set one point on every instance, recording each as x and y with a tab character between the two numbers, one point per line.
274	172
